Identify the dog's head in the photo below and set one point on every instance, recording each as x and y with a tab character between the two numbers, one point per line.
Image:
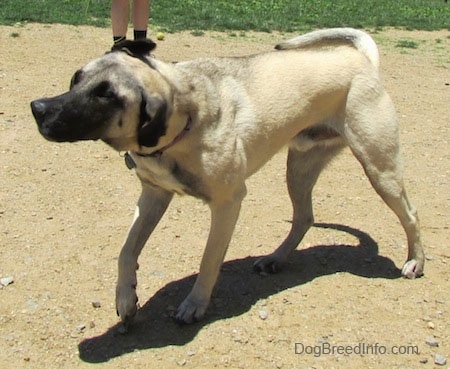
119	98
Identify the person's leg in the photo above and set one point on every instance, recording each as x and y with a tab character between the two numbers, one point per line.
120	11
141	12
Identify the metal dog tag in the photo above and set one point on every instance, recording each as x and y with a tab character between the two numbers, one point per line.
129	162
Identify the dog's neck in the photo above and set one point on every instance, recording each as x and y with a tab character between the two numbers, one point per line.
130	163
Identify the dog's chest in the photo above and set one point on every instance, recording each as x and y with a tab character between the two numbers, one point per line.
167	174
157	172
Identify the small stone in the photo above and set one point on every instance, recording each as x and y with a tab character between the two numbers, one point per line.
263	314
81	327
440	359
430	325
6	281
423	360
96	304
431	341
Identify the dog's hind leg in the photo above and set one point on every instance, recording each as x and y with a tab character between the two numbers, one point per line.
303	169
372	134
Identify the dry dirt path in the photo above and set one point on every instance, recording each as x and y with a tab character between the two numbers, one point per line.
65	210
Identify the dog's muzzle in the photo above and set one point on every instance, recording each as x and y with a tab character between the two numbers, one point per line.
45	112
60	119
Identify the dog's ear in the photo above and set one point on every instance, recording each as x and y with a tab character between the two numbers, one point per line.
136	47
152	120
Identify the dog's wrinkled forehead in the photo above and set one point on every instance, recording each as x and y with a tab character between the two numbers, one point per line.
112	67
96	69
114	61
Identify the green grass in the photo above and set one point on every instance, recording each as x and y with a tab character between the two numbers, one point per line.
257	15
407	44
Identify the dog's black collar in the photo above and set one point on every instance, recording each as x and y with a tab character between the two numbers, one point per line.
130	163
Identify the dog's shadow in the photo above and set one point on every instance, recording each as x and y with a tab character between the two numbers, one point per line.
237	290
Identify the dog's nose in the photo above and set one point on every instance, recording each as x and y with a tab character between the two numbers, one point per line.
38	108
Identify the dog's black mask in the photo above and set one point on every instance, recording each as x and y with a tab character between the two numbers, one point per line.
84	114
75	115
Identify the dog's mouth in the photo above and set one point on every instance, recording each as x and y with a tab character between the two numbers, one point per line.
54	135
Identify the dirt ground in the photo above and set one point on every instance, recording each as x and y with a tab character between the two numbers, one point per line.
65	210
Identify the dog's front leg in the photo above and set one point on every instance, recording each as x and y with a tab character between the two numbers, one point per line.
151	206
223	221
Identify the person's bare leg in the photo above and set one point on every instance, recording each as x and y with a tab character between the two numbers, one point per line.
141	13
120	12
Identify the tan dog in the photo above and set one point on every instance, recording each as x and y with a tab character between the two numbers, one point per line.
202	127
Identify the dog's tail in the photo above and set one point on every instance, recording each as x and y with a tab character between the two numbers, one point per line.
360	40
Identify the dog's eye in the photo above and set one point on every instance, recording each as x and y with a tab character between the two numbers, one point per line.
103	89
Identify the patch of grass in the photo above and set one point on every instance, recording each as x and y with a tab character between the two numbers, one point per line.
257	15
407	44
197	33
76	12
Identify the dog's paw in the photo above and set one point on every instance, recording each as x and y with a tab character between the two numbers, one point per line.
190	311
126	302
268	264
412	269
